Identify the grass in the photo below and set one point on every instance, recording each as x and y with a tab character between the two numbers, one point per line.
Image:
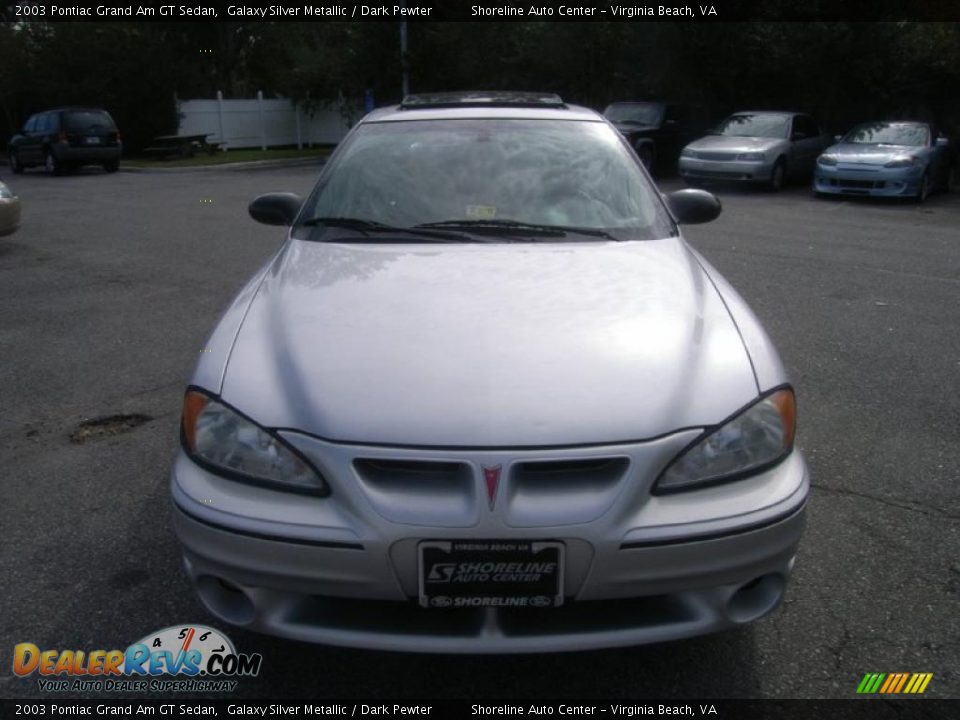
225	158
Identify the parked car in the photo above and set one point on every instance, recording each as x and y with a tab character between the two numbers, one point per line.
9	211
66	138
755	147
886	159
486	399
657	130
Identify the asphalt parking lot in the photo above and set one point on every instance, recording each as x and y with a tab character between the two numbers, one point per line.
111	285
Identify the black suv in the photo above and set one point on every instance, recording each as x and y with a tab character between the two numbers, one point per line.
66	138
657	130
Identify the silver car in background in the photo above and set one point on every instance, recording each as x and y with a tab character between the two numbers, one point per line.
9	211
886	159
485	398
760	147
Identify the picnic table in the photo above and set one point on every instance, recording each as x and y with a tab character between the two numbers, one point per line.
183	145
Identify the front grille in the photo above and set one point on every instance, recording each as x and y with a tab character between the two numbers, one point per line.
719	174
717	156
350	615
420	492
403	470
562	472
857	184
563	492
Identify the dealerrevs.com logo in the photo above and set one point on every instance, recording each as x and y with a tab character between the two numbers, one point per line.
188	658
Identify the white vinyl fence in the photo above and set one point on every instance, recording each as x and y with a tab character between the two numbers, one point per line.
262	123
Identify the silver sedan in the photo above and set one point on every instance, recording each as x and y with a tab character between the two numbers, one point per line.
9	211
766	148
486	399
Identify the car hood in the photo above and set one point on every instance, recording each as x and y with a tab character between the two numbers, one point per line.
488	345
870	154
734	144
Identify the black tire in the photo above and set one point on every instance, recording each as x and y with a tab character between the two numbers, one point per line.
924	192
53	166
778	176
112	166
15	167
948	180
646	155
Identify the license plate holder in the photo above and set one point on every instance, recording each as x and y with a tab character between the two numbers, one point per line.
491	573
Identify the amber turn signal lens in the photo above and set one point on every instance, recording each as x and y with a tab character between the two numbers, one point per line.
786	404
193	405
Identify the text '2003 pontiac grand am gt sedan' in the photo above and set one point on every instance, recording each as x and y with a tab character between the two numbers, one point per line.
485	398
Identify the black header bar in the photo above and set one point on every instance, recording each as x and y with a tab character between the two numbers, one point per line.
579	709
485	11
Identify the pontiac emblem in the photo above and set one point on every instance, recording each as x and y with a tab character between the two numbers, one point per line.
491	476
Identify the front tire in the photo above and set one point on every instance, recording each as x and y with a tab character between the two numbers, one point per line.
924	191
777	176
15	167
645	153
53	166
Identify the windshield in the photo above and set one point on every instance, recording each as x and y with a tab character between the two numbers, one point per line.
746	125
487	174
84	121
889	134
635	113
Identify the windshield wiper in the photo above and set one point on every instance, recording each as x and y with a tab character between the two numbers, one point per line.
366	227
514	228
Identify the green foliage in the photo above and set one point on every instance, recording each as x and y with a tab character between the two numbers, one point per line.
843	72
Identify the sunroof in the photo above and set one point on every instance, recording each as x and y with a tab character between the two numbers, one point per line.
483	98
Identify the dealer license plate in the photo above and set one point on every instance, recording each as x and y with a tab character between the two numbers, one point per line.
491	573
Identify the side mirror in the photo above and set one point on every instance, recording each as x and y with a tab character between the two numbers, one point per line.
837	138
275	208
942	142
691	206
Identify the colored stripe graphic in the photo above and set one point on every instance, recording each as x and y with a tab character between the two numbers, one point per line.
894	683
918	683
899	687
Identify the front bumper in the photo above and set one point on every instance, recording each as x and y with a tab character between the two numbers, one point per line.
725	170
343	570
867	180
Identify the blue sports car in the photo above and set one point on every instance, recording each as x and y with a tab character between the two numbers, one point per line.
886	159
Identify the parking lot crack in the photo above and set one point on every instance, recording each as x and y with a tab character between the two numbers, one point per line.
922	509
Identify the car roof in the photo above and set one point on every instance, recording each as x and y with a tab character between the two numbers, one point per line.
80	108
768	112
482	105
398	113
895	122
643	102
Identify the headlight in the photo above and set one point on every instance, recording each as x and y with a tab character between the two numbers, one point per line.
5	192
826	160
751	156
688	153
221	439
901	162
755	439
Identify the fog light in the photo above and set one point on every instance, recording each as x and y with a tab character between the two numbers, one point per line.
225	600
756	598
